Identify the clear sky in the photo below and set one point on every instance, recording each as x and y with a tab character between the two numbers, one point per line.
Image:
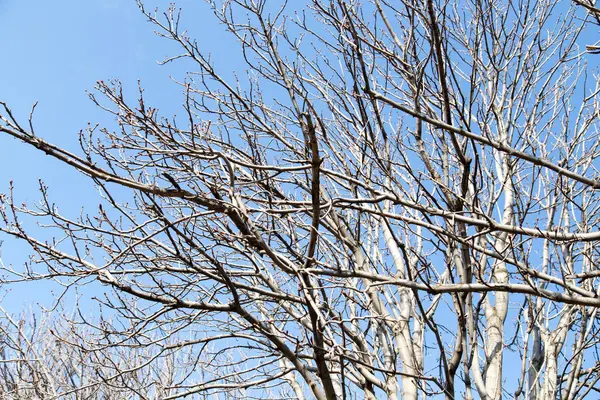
53	52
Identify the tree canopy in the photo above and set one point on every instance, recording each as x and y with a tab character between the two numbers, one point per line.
390	199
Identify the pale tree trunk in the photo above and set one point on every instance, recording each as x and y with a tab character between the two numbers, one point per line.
537	359
402	332
536	319
478	379
495	314
554	339
554	342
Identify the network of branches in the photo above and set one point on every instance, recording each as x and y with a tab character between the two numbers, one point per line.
391	199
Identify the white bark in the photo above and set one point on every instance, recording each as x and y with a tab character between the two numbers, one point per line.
495	314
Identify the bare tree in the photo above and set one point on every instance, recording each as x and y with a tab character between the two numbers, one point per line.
397	198
44	359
